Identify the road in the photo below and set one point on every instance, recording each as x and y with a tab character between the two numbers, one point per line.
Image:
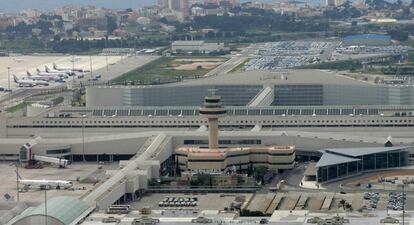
233	62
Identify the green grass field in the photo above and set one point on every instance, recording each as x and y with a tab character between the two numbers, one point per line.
17	107
162	68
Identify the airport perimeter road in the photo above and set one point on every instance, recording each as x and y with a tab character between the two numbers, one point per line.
234	61
227	66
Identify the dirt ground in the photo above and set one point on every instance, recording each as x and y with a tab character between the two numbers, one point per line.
194	66
199	60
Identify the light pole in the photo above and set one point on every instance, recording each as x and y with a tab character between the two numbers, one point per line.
90	63
403	193
106	54
73	65
17	181
8	80
45	206
83	138
122	54
107	68
135	47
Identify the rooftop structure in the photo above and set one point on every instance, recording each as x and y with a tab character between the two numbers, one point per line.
273	157
196	47
368	40
296	87
60	211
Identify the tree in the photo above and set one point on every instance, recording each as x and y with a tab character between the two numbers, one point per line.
259	173
56	38
202	180
399	35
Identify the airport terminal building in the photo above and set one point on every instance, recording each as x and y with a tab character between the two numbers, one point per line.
256	88
344	162
276	158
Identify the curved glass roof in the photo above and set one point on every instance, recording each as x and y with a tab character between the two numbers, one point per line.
65	209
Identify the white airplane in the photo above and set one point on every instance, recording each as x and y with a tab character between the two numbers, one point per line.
44	184
44	73
44	78
68	72
56	67
29	82
47	75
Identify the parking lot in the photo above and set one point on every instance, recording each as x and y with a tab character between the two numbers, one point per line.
288	54
208	201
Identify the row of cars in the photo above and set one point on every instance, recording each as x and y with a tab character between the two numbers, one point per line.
178	202
3	89
289	54
372	199
396	201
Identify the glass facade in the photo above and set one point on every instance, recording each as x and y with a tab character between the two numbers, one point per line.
225	142
231	95
383	160
298	95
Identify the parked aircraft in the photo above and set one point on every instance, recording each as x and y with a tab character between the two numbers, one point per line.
44	184
29	82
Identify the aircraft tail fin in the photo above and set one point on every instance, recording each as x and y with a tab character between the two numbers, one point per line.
16	80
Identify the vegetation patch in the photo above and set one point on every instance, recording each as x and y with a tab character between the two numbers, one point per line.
350	65
17	107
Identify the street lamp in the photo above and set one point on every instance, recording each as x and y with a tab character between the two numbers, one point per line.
403	213
17	180
83	138
45	206
73	65
8	79
106	54
90	63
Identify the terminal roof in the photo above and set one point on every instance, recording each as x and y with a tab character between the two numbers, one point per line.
355	152
329	159
65	209
256	77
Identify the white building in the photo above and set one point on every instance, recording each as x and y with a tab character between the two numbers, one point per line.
196	46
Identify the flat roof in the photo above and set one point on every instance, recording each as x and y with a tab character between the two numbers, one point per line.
294	76
188	43
368	36
355	152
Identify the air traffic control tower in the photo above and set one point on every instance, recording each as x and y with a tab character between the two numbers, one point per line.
212	110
